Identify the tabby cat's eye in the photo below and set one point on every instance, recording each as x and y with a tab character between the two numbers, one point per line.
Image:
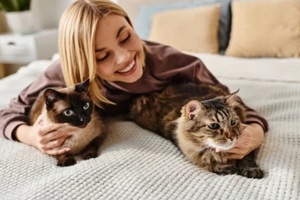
86	106
68	113
213	126
233	122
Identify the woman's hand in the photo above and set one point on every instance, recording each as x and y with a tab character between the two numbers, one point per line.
251	138
47	137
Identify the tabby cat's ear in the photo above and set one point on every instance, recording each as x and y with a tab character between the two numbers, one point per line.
232	99
51	96
83	86
192	109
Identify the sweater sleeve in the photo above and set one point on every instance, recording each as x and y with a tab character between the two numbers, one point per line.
19	107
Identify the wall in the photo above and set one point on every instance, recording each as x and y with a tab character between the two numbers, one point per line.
47	13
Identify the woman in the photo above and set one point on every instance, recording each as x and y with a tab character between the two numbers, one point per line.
97	41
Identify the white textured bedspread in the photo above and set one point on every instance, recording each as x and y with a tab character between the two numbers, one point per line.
137	164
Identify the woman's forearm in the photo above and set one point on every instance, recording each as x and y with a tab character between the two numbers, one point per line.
22	134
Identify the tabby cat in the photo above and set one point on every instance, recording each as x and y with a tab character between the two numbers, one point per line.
198	119
72	105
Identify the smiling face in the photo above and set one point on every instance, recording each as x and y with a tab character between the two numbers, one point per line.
118	50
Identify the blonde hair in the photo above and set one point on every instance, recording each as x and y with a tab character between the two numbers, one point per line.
77	29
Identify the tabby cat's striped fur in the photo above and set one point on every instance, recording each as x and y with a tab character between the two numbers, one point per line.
198	119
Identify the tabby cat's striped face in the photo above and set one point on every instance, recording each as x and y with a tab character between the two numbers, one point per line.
213	123
222	128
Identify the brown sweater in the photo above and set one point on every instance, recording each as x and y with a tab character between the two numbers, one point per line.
163	65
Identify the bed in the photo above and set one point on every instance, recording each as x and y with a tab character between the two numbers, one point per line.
137	164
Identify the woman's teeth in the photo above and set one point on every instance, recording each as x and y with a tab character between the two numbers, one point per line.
127	68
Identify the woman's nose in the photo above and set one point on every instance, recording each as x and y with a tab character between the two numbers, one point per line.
122	55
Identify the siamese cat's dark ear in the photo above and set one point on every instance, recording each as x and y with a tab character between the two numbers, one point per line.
51	96
83	86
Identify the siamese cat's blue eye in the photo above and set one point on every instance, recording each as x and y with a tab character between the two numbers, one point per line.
213	126
68	113
86	106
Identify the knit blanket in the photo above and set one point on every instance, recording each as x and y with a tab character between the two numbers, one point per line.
134	163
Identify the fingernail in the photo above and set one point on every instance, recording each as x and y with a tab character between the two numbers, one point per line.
67	149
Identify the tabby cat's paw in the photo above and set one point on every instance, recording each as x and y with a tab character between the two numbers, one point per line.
224	170
253	172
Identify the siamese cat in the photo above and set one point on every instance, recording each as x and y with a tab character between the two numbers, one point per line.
72	105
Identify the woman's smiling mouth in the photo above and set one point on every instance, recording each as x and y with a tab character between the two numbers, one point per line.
128	70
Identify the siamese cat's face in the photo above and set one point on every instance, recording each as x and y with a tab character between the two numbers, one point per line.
71	105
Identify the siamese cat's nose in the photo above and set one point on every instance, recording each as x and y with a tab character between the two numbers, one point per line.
84	119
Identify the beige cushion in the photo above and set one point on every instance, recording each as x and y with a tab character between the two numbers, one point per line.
192	29
265	29
132	7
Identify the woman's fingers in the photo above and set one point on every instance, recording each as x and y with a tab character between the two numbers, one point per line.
51	137
49	128
56	152
235	156
236	153
55	143
55	135
54	147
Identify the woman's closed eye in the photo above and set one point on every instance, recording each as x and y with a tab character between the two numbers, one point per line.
126	39
104	57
